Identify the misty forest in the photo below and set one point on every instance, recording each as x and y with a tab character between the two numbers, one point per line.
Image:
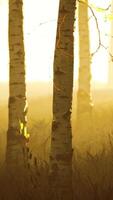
56	100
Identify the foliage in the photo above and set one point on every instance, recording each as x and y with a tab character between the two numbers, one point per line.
23	130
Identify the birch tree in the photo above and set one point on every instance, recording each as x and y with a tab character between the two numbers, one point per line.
17	86
61	138
84	101
110	74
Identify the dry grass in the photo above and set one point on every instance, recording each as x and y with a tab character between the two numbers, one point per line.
92	158
92	178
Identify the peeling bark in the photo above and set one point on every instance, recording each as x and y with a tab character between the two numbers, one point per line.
17	86
61	139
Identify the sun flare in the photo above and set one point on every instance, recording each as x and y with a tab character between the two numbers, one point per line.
39	36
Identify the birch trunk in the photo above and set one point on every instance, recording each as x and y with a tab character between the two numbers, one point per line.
17	86
61	139
110	74
84	101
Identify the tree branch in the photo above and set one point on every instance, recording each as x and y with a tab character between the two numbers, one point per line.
97	26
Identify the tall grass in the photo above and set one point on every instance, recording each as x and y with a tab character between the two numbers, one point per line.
92	177
92	160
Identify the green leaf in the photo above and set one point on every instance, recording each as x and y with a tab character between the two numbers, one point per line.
109	17
98	9
23	130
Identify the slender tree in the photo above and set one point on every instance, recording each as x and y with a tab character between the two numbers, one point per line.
84	101
110	74
61	139
17	86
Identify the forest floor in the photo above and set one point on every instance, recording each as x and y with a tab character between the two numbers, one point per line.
93	152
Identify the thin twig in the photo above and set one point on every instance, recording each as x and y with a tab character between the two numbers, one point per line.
97	26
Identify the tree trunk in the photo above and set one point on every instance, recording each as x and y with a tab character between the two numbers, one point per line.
84	101
61	139
17	86
110	73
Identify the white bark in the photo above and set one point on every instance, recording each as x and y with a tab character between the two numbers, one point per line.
110	73
61	140
84	100
17	86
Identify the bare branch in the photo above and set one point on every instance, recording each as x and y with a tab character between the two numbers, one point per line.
41	24
97	26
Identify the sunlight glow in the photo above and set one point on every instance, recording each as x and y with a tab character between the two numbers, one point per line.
40	20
